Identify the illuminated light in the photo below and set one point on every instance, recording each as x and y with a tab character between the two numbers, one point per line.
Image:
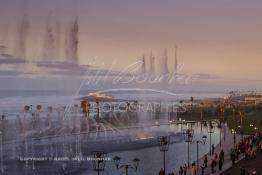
226	97
144	138
99	95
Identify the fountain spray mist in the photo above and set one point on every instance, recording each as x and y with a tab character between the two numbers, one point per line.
51	46
22	33
71	42
49	42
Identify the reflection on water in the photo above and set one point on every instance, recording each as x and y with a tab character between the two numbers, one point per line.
151	159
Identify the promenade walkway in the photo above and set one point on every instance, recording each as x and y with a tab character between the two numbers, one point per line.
251	165
226	145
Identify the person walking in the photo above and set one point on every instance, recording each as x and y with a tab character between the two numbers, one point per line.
205	161
222	155
185	169
213	149
202	169
220	164
193	169
233	157
161	172
180	170
213	166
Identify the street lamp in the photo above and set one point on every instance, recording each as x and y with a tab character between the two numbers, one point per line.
2	141
126	166
202	141
234	136
97	104
188	133
99	161
210	130
241	131
241	113
163	143
222	119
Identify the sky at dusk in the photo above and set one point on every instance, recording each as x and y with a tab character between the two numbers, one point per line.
221	38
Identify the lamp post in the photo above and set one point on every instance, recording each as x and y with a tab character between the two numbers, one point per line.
220	133
210	130
99	161
97	104
163	143
222	119
241	131
253	127
2	142
241	113
201	114
188	133
234	136
202	141
126	166
192	104
24	132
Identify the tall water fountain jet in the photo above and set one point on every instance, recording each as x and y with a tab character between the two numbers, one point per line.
49	41
22	34
72	43
51	47
57	30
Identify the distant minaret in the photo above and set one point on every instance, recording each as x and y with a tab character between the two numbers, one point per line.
176	62
165	63
143	67
152	65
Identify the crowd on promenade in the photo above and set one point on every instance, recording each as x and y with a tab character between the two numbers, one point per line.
248	147
215	159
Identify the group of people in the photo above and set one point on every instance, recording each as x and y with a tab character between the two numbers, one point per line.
248	146
217	160
183	170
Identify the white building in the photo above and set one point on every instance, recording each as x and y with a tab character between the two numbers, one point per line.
253	99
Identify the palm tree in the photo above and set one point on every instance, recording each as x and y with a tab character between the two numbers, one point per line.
201	114
192	100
